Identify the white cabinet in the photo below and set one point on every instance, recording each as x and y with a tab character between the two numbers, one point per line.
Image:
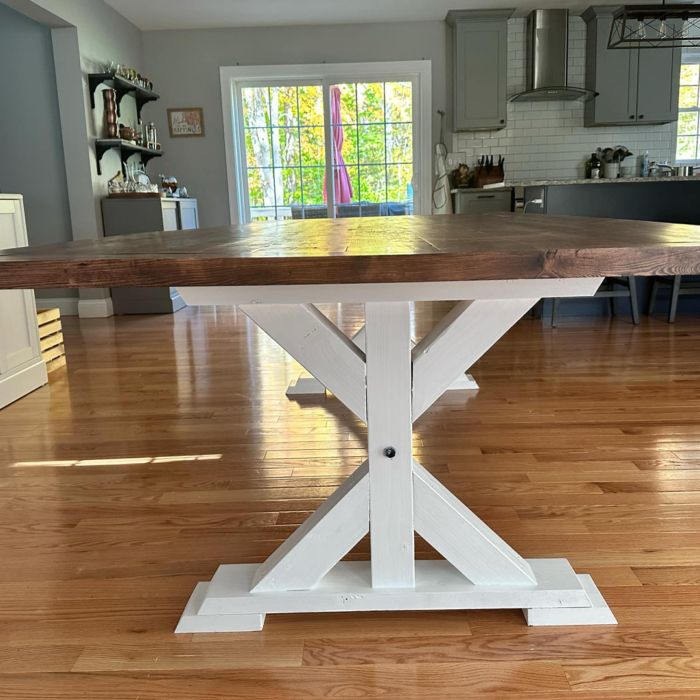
189	217
21	368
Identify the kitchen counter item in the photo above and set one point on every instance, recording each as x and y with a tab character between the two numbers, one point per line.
602	181
611	171
684	171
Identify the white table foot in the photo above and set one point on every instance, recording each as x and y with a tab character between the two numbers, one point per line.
348	587
310	386
192	622
597	614
305	386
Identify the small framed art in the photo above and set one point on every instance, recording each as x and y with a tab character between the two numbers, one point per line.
186	121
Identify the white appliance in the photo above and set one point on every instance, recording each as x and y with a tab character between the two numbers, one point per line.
21	368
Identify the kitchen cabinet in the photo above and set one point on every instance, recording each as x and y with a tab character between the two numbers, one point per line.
121	216
21	367
480	201
635	86
480	39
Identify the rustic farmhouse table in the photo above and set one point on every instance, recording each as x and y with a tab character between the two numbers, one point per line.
496	266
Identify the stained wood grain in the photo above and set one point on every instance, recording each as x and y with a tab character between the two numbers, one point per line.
394	249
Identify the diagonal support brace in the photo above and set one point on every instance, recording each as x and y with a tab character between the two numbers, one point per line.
457	341
317	545
470	545
319	346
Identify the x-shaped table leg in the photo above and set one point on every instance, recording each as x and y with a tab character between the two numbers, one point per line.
391	496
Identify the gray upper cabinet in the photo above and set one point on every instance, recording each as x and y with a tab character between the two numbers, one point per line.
480	73
635	86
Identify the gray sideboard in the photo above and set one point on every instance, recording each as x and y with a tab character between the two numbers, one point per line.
122	216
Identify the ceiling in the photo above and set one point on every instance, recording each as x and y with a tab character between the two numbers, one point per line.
200	14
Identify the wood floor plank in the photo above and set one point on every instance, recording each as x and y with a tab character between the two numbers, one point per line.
627	674
564	643
236	651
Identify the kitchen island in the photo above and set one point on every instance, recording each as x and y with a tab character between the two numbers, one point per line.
665	199
668	199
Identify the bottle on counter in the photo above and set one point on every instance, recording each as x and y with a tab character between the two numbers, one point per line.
645	165
593	168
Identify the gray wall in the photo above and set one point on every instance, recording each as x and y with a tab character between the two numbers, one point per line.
31	151
184	65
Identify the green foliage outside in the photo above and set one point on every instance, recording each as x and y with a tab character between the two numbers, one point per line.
687	144
286	151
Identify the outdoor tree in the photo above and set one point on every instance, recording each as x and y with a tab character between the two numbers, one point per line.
285	142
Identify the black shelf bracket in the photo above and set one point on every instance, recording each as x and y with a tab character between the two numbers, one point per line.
126	150
122	86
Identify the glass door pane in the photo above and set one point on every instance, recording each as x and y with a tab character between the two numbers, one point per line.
285	151
372	148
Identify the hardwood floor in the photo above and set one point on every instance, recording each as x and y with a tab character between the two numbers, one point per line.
167	447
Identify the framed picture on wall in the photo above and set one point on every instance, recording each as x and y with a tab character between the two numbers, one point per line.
186	121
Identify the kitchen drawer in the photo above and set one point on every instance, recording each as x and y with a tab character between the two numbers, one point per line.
479	201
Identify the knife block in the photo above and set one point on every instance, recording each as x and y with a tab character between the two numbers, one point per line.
481	177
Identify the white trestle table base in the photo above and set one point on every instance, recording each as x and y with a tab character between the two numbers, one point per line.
389	382
310	386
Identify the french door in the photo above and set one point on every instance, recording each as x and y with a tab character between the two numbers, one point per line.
327	141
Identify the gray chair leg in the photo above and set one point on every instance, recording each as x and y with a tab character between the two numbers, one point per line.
652	296
674	298
556	303
536	310
634	302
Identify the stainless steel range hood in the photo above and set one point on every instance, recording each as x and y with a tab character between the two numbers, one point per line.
547	60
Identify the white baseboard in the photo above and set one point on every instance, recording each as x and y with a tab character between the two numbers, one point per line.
95	308
68	306
22	381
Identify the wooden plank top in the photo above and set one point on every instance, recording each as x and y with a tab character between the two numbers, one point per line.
372	250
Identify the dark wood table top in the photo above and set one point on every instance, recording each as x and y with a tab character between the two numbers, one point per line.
388	249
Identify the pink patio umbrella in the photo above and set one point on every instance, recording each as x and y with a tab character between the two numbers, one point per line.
341	179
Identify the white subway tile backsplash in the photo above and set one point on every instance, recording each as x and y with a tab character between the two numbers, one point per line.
547	139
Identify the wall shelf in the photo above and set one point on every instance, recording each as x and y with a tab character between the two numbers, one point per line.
122	86
126	150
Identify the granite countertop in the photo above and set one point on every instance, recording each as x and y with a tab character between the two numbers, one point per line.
494	186
602	181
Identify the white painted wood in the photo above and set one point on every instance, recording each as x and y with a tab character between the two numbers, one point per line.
597	614
388	342
321	541
398	291
465	382
22	381
360	339
315	343
305	386
309	386
439	586
21	368
192	622
472	547
457	342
